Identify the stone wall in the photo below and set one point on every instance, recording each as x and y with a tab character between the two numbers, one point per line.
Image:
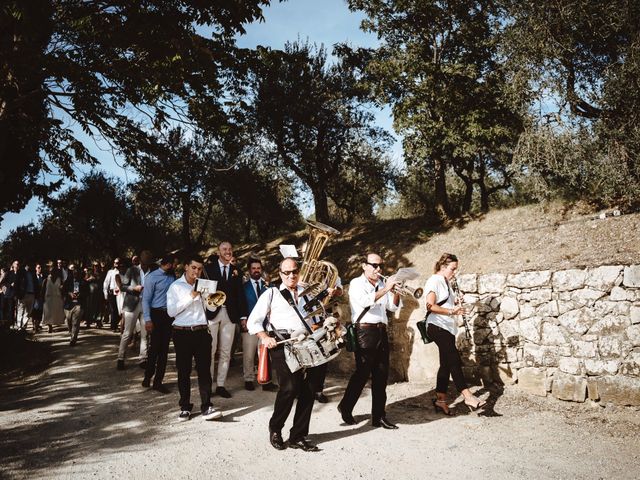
572	334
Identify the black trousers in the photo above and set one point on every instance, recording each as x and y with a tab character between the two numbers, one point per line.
450	362
372	361
113	310
192	345
299	386
158	345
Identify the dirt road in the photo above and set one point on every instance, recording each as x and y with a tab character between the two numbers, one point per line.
84	419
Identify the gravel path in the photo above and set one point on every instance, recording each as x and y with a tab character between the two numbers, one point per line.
83	419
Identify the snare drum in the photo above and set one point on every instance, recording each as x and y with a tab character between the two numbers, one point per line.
317	349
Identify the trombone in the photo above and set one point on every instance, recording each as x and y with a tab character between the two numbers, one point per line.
404	290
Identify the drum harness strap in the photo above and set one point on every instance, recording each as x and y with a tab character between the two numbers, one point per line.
286	294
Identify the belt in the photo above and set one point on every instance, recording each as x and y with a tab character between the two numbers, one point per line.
192	328
373	325
164	309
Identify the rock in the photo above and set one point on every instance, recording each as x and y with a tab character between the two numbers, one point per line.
612	346
570	365
607	307
586	297
604	278
468	283
592	389
527	311
631	276
505	375
532	380
569	387
577	321
631	365
492	283
619	390
530	279
609	326
552	334
509	307
621	294
530	329
549	309
633	334
583	349
566	280
634	314
601	367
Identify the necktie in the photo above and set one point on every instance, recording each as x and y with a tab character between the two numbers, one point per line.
257	288
224	272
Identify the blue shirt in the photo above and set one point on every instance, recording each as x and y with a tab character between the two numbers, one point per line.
154	294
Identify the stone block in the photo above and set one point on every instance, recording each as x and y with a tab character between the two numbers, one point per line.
504	374
601	367
609	325
536	297
586	297
633	334
468	283
530	279
604	278
566	280
613	347
509	332
592	389
492	283
634	314
631	365
632	276
549	309
577	321
552	334
583	349
509	307
619	294
532	381
530	329
570	365
527	310
619	390
569	387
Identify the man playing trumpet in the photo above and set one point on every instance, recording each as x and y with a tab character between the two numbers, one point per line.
370	298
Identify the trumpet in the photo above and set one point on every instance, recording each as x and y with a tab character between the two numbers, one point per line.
214	300
404	290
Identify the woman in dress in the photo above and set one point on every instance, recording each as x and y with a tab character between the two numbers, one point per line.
53	308
442	329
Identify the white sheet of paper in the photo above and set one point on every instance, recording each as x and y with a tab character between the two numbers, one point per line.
288	251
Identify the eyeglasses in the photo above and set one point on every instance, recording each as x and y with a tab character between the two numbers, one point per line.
289	272
375	265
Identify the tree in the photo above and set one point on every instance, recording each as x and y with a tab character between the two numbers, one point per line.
437	66
311	116
110	69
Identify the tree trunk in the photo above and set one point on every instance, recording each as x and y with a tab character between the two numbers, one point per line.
185	232
442	201
321	204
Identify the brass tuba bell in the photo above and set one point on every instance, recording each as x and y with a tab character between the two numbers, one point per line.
314	273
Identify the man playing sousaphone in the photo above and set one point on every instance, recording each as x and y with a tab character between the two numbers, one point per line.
281	311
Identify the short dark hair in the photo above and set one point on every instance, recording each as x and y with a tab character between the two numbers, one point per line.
445	259
193	257
168	258
254	260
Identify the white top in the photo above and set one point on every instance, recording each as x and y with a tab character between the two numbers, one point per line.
437	284
362	294
110	281
187	310
282	317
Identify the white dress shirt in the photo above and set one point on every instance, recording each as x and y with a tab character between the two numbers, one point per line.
282	316
362	294
185	309
110	281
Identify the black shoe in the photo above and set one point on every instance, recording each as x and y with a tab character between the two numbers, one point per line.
303	444
161	388
269	387
143	365
223	392
276	441
249	386
321	398
146	382
120	365
346	417
384	423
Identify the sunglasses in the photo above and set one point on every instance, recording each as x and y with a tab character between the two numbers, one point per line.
289	272
375	265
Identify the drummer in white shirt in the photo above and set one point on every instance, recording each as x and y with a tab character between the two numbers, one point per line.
191	339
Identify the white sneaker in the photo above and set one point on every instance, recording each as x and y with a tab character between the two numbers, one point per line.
184	415
211	414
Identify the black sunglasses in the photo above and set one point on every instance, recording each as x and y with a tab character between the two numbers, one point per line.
375	265
289	272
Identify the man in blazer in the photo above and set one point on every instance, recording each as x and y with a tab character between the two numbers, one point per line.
222	322
132	284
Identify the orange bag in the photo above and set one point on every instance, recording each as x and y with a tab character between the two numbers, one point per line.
264	372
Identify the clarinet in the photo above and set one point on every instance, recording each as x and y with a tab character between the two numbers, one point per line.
458	301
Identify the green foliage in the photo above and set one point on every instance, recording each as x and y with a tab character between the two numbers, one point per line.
111	68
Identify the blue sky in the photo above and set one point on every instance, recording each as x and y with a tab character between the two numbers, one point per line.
320	21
